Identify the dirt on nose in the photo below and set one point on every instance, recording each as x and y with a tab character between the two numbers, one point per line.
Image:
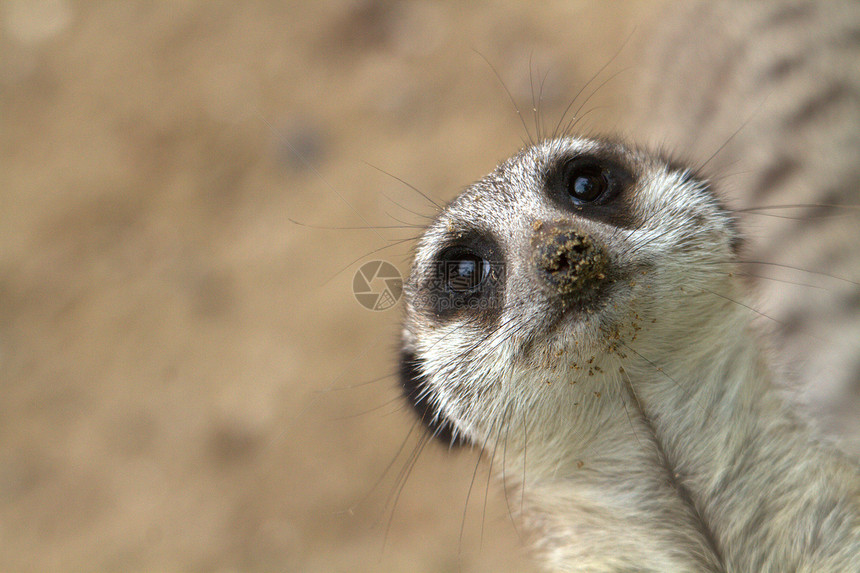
571	262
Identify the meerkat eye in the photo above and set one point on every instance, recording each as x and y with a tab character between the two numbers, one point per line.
585	180
463	271
466	277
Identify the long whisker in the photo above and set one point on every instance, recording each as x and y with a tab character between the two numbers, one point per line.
680	386
438	206
373	252
796	206
327	228
310	167
510	96
556	131
400	481
490	473
505	477
799	269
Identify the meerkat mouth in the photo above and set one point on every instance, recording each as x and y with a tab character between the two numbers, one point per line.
577	274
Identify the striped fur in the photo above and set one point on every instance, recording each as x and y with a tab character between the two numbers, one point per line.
767	94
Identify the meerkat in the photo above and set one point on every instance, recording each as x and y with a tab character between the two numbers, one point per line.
579	309
579	314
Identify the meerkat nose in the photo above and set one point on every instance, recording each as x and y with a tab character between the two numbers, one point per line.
571	263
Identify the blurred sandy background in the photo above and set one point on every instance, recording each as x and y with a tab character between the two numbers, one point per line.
181	365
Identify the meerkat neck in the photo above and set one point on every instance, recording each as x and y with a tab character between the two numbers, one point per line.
612	510
593	484
766	488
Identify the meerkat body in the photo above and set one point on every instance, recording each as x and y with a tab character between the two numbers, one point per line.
766	95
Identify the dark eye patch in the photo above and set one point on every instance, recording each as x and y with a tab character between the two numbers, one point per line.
415	389
594	185
465	278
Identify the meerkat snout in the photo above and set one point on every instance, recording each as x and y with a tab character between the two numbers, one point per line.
571	263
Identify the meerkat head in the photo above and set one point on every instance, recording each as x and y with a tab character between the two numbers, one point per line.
544	273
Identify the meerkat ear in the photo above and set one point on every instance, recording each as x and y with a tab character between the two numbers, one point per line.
414	385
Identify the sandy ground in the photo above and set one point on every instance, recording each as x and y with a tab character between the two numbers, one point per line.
187	381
